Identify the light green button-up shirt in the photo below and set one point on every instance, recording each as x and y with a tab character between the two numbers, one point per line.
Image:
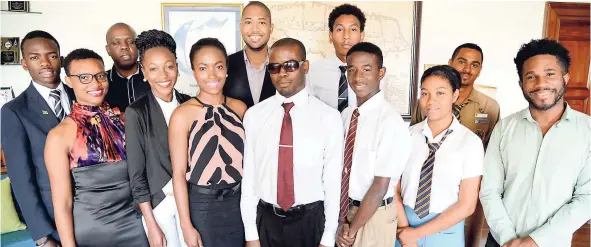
538	186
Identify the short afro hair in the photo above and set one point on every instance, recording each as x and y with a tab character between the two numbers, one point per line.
291	41
154	38
368	48
205	42
446	72
542	47
346	9
468	46
80	54
259	4
38	34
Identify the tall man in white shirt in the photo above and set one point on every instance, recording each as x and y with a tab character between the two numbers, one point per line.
328	78
536	189
376	150
292	160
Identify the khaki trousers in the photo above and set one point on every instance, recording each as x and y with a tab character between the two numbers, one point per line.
380	229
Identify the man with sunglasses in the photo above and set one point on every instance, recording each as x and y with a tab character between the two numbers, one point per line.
26	120
292	159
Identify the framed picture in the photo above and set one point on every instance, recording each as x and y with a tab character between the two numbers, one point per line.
10	50
18	6
189	22
393	26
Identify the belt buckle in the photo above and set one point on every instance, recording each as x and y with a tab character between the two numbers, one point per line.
275	211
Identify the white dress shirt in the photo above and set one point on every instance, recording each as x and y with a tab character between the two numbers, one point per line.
317	158
167	107
461	156
381	145
256	77
45	91
323	81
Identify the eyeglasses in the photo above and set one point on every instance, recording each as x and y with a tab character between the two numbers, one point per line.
289	66
87	78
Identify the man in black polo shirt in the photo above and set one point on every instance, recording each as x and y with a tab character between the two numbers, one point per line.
126	80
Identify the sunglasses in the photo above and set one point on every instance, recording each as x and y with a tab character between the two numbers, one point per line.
289	66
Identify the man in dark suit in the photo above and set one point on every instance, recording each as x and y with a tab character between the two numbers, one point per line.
248	78
26	120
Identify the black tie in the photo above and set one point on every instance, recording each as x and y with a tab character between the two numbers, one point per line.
57	105
343	95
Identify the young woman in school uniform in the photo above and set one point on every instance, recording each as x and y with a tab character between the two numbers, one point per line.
439	186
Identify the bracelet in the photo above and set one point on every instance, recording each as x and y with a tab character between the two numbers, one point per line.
44	243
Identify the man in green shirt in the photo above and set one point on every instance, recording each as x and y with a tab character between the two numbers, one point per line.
537	176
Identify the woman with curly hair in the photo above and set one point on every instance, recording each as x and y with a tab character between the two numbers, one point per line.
150	171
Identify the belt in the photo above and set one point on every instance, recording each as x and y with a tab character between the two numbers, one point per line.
384	202
219	193
293	211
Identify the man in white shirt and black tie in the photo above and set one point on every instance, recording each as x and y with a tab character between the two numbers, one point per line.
327	79
376	150
292	160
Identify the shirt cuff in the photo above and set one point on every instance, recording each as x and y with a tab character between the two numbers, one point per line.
328	239
251	233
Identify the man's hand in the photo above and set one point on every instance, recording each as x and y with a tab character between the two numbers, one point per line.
51	243
255	243
407	235
521	242
343	237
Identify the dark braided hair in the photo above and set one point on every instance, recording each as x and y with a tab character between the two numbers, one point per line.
154	38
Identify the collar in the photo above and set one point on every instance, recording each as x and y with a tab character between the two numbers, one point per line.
174	100
138	71
299	99
247	62
371	103
455	124
566	115
45	91
336	61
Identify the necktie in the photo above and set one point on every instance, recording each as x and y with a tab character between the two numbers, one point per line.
458	108
350	142
343	94
285	192
57	105
424	191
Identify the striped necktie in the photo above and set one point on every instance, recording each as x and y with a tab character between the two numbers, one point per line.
343	86
424	191
458	108
57	104
350	142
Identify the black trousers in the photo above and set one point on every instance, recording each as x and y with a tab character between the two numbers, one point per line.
300	226
490	241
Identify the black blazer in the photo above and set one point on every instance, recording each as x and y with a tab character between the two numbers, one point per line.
26	120
237	86
148	158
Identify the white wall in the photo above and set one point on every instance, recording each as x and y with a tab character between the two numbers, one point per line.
499	28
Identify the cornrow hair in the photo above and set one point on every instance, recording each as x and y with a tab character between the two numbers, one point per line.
154	38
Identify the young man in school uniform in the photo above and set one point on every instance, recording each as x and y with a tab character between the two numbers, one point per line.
377	147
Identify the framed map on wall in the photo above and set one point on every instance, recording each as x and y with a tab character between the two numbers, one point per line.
393	26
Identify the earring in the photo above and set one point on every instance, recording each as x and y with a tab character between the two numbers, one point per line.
226	75
145	80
